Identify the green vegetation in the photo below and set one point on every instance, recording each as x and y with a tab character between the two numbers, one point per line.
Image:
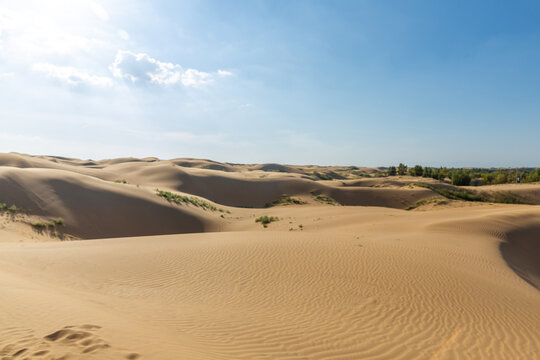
461	178
434	200
122	181
471	176
39	224
402	169
183	199
326	200
461	194
265	220
320	176
451	193
59	221
285	200
392	171
13	209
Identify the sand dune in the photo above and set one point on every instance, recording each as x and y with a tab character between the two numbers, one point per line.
322	282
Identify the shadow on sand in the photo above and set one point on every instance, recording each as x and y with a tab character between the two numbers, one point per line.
521	251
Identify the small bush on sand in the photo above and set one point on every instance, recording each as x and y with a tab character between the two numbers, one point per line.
285	200
265	220
39	224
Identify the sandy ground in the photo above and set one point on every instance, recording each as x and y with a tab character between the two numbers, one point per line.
448	281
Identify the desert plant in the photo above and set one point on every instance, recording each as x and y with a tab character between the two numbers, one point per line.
326	200
392	171
12	209
59	221
285	200
265	220
39	224
179	199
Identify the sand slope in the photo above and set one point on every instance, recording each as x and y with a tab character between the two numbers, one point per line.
322	282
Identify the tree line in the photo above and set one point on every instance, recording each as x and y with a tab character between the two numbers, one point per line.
463	176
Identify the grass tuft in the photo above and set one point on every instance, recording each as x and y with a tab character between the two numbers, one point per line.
183	199
265	220
285	200
326	200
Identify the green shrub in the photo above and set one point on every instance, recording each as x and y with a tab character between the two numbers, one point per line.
59	221
3	206
183	199
326	200
461	178
122	181
12	209
392	171
285	200
39	224
265	220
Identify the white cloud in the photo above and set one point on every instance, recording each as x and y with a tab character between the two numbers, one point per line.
224	73
99	11
7	75
140	67
71	75
123	34
192	77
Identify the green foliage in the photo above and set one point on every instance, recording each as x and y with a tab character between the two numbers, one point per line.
59	221
183	199
12	209
461	178
453	194
326	200
3	206
285	200
39	224
392	171
417	170
122	181
265	220
402	169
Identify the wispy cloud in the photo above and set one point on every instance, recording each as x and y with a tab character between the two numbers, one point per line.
71	75
99	11
224	73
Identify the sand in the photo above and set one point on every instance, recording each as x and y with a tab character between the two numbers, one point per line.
451	281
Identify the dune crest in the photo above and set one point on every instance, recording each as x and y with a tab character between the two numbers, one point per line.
166	279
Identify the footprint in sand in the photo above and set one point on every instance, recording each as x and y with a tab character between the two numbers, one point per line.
70	342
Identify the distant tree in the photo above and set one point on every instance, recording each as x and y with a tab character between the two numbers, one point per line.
501	177
411	172
461	178
427	172
418	170
443	173
402	169
392	171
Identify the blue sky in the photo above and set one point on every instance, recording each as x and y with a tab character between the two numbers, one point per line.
440	83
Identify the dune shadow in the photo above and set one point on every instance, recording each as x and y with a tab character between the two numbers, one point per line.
521	251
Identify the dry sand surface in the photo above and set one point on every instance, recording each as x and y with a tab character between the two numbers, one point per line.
152	279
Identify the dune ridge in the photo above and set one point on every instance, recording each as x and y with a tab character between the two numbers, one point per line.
160	280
